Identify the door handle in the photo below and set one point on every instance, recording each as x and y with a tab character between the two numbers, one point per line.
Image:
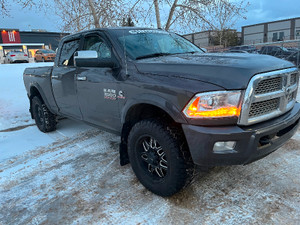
54	77
81	78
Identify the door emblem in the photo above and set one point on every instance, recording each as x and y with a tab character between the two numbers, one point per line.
121	95
109	94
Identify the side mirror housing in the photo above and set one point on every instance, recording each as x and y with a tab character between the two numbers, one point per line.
90	59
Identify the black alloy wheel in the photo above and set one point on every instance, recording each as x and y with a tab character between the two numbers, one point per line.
158	157
154	157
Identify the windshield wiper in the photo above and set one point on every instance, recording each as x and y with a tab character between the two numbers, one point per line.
192	52
153	55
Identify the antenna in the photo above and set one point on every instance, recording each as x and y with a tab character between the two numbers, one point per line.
125	55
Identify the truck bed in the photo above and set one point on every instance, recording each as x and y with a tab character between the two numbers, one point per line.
41	77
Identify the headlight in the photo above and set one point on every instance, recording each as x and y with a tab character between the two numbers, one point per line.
214	105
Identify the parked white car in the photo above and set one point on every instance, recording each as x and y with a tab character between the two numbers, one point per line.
16	56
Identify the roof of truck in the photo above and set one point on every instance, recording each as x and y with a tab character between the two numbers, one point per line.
108	28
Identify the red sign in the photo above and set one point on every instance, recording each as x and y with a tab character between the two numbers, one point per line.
9	37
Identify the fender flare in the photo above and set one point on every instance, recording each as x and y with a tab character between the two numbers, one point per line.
154	100
41	92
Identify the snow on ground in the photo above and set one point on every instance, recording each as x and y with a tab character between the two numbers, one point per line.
72	176
14	101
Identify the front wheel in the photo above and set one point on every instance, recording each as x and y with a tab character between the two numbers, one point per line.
44	119
157	157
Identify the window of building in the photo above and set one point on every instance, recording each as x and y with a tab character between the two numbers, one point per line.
275	36
297	34
281	36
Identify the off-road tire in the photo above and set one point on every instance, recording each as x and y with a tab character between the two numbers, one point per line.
179	167
44	119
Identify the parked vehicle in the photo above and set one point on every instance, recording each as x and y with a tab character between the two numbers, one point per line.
16	57
278	51
294	58
236	51
293	49
246	48
44	55
173	105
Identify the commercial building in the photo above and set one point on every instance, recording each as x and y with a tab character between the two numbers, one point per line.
207	39
202	39
281	30
27	41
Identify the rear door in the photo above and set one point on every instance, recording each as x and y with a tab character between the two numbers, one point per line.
97	87
64	81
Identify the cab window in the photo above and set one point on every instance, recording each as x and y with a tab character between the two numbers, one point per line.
67	53
95	43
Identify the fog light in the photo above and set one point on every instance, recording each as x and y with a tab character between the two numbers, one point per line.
224	147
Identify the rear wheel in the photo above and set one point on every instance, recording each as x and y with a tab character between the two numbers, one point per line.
44	119
157	158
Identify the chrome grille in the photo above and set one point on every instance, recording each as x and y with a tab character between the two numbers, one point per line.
293	79
269	95
264	107
291	96
269	85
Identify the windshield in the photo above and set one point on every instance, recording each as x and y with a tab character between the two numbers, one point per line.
151	43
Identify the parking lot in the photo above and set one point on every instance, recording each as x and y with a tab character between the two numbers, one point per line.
73	176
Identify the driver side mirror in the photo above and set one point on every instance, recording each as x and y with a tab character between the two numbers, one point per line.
89	58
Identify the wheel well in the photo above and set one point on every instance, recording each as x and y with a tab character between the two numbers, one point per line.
137	113
34	92
146	111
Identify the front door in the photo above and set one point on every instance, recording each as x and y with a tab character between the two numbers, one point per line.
97	88
64	82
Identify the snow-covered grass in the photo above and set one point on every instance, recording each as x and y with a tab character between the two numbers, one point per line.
14	101
72	176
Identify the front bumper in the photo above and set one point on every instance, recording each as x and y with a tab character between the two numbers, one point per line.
252	142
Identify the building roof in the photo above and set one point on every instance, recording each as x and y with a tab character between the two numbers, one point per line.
276	21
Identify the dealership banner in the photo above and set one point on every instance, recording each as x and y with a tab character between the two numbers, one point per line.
10	37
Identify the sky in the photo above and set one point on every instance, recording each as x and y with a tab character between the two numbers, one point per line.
259	11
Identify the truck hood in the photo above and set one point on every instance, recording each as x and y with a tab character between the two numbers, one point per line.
230	70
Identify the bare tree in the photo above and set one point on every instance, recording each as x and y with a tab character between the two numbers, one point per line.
177	15
223	17
127	22
74	14
189	15
3	8
78	15
157	13
6	4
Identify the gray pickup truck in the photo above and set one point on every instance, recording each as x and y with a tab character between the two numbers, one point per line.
173	105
